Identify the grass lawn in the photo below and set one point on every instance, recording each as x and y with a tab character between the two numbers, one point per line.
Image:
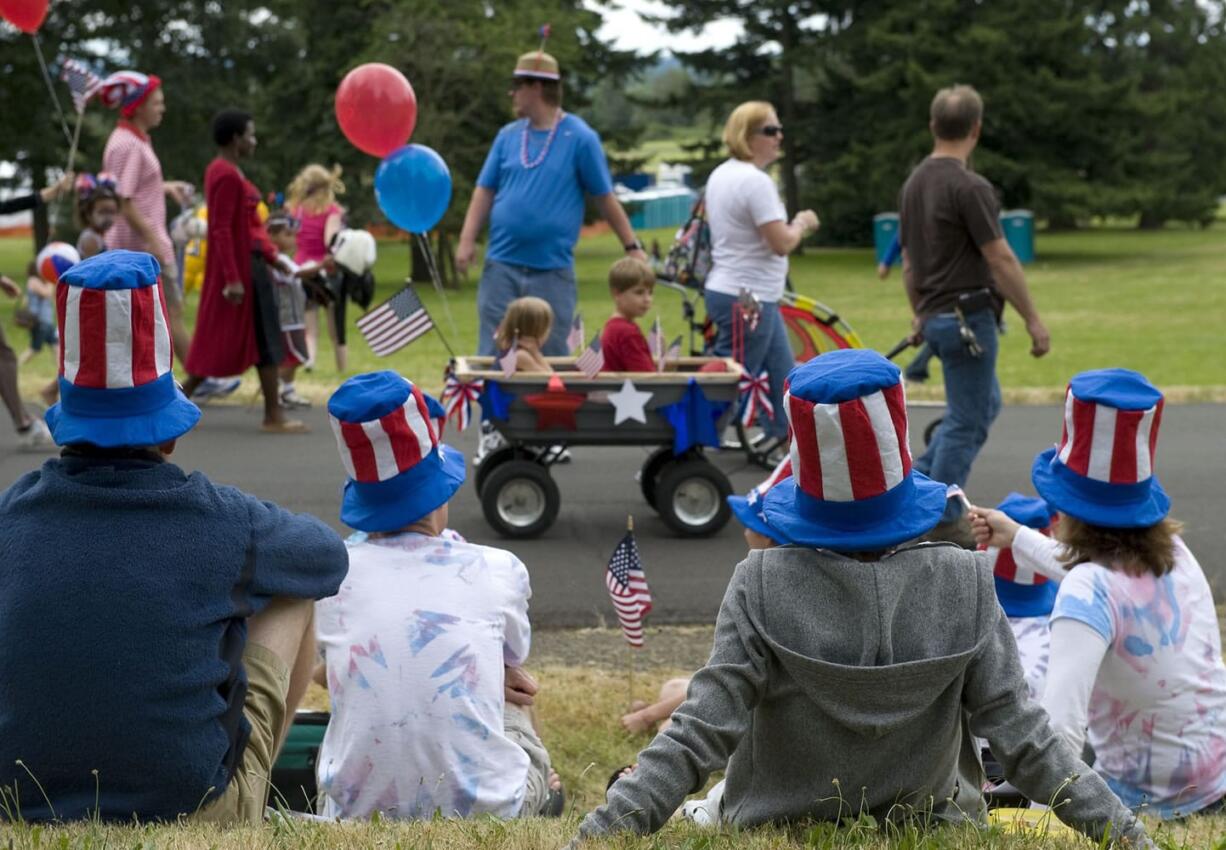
1111	297
579	709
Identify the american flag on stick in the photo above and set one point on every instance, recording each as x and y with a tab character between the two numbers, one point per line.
82	82
575	338
655	341
395	323
510	360
673	353
628	589
591	361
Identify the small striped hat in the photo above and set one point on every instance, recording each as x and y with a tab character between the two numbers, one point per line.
115	357
1102	472
398	470
852	487
127	90
1022	591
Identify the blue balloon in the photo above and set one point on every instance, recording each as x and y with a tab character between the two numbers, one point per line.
413	188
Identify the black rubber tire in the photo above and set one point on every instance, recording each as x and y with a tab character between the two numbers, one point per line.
930	430
534	483
491	461
649	475
704	487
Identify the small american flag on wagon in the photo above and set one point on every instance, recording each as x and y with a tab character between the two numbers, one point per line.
628	589
395	323
575	337
82	82
591	361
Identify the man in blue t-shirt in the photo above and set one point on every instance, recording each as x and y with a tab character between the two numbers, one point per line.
532	190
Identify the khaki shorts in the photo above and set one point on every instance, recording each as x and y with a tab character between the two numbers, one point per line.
246	796
517	723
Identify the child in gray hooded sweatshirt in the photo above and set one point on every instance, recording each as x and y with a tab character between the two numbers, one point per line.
849	676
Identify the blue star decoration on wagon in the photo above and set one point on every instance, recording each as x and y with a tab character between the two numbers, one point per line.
694	419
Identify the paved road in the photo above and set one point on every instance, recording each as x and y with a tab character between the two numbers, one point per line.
598	490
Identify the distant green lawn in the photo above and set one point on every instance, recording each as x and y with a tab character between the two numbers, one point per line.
1144	300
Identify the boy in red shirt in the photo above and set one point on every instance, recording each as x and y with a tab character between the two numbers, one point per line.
631	282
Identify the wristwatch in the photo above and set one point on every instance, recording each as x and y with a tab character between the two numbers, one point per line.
636	245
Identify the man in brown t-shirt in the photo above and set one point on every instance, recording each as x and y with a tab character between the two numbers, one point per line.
956	261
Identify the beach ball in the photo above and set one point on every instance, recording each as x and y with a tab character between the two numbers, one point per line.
54	259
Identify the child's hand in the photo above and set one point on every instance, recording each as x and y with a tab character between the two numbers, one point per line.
992	528
233	292
520	688
8	287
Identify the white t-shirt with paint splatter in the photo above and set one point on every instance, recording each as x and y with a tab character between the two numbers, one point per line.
415	642
1156	714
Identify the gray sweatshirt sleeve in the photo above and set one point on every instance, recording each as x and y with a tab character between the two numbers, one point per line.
705	729
1034	758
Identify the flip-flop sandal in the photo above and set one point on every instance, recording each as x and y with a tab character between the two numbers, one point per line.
555	803
287	426
617	774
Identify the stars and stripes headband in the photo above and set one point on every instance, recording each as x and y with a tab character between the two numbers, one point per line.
127	90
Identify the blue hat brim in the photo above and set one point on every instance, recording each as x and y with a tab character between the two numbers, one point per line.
749	517
151	427
911	509
1021	600
1097	502
393	504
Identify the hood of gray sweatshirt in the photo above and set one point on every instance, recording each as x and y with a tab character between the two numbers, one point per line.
837	688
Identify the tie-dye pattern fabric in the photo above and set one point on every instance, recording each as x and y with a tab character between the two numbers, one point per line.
1157	714
1033	636
415	642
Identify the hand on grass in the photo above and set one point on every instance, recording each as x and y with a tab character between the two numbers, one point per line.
520	688
992	527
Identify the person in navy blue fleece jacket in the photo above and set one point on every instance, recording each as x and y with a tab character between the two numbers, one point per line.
156	629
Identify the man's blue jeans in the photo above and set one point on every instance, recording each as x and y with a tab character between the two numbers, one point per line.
766	347
502	283
972	398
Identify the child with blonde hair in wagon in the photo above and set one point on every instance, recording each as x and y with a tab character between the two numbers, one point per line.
312	200
525	327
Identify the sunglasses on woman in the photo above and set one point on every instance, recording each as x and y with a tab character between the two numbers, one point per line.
772	130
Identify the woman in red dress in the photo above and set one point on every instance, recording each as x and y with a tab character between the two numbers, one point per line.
237	326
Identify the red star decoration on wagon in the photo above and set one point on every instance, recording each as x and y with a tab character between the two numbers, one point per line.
556	407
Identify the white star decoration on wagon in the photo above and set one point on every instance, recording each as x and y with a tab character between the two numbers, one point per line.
629	403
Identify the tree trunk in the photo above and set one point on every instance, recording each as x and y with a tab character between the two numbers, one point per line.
787	105
420	271
42	225
1151	220
446	261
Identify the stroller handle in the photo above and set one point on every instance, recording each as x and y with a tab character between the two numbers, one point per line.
902	345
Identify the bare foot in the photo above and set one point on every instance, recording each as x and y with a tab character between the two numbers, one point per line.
637	722
285	426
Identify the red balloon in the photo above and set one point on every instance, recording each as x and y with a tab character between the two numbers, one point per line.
376	108
26	15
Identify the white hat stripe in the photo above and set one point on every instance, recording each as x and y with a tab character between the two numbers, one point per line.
1067	448
346	457
385	458
161	334
1145	464
119	338
1022	574
72	336
419	426
887	438
1102	443
832	451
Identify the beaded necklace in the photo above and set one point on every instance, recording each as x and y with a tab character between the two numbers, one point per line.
523	142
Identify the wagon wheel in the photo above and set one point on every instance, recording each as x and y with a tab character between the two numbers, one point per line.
519	499
649	475
692	497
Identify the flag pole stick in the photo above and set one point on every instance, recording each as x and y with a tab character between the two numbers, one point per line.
76	137
629	648
432	265
42	64
434	275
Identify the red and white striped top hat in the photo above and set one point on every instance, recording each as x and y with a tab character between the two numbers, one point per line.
389	445
853	485
115	355
1102	472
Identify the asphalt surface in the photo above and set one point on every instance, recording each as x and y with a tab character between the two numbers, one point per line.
599	490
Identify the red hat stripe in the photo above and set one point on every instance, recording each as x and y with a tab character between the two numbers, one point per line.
1102	441
1153	434
163	351
861	453
385	457
1124	449
806	462
61	310
1081	435
358	452
91	324
896	400
143	330
426	434
1003	565
399	438
119	338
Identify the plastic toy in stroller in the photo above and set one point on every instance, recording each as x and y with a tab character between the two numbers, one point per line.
681	411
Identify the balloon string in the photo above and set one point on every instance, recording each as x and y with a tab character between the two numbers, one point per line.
42	63
431	264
